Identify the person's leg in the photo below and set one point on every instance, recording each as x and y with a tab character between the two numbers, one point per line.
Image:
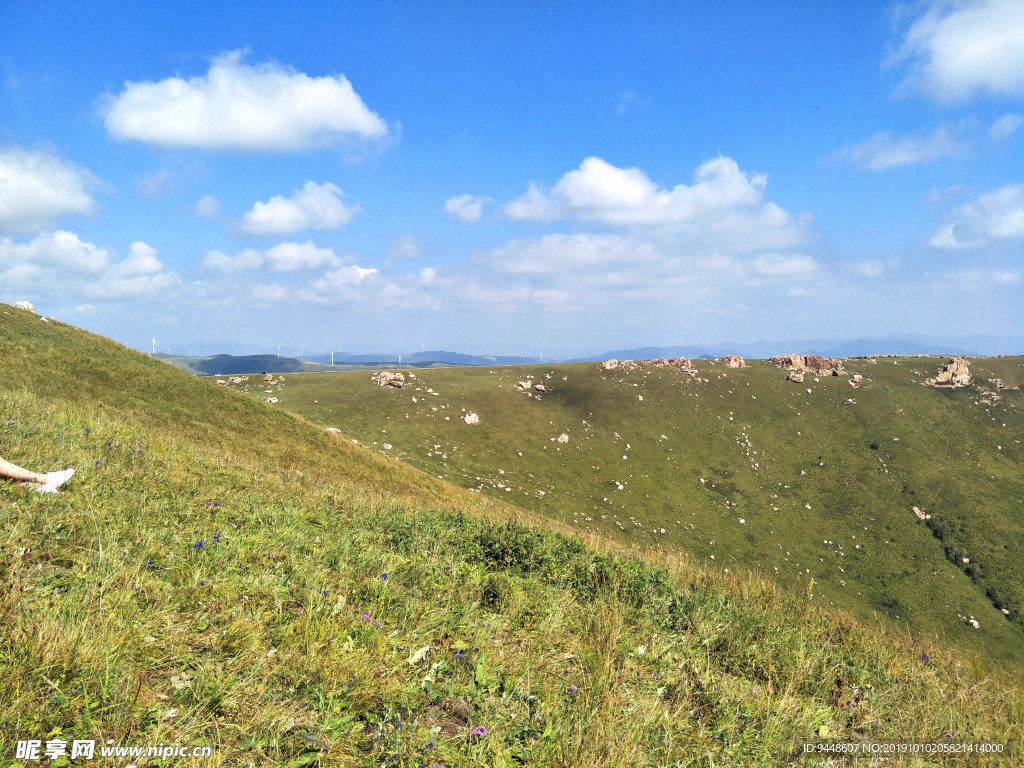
13	471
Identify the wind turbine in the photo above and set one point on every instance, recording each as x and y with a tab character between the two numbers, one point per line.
154	348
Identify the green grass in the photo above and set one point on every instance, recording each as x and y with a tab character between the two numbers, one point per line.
213	575
696	457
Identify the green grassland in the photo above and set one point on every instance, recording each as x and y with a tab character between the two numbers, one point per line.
662	459
221	572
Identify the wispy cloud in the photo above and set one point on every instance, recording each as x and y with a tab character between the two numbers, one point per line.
465	207
885	150
1005	126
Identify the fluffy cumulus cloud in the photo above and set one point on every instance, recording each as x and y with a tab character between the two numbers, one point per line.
38	188
465	207
283	257
724	207
140	274
958	49
315	206
235	106
994	216
66	263
884	150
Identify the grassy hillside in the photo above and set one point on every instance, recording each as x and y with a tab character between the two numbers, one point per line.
742	469
221	573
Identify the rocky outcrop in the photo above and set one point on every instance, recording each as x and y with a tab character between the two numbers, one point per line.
796	377
523	386
27	306
388	379
822	366
734	361
955	373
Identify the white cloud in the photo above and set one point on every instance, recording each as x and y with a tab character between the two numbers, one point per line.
207	207
884	151
868	268
315	206
60	249
64	263
270	292
996	215
141	274
1005	126
466	207
723	208
335	279
959	49
630	100
283	257
571	254
37	189
405	247
937	196
986	276
782	265
235	106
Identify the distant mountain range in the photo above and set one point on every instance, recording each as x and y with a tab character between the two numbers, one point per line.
223	364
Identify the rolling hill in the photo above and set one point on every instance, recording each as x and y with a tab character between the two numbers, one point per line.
743	469
221	572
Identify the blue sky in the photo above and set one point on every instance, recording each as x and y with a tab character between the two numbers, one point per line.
557	177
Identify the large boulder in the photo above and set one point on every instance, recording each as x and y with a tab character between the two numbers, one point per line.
955	373
27	306
734	361
388	379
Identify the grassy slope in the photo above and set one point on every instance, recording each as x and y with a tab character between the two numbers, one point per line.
745	445
213	575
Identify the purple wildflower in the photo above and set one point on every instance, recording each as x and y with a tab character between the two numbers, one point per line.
384	576
573	690
460	656
199	544
365	617
479	731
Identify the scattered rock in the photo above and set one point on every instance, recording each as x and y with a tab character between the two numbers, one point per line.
795	377
563	438
471	418
540	388
334	430
389	379
921	514
1000	384
524	385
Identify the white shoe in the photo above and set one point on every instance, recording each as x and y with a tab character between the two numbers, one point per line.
55	480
